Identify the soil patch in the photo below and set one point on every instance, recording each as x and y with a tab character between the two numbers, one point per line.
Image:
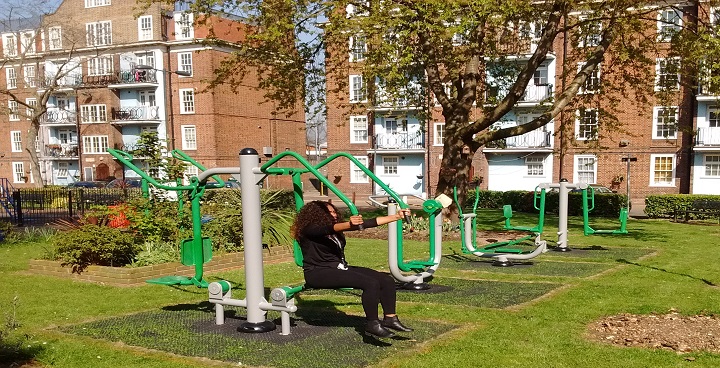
671	331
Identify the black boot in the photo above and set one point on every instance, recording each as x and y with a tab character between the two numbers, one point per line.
376	329
394	323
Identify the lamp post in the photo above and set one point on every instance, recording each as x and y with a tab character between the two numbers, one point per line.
168	94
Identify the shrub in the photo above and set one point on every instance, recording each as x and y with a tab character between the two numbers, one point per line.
664	205
95	245
152	253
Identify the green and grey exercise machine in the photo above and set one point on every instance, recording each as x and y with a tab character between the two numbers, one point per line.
424	270
503	253
194	251
588	198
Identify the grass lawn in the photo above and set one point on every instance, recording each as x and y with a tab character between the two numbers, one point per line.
523	316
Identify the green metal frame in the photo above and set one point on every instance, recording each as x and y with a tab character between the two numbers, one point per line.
587	230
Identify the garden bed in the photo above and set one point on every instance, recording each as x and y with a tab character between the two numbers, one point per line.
134	276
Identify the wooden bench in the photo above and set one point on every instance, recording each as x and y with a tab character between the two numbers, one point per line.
703	208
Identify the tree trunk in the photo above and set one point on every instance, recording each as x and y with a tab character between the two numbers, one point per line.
32	135
455	165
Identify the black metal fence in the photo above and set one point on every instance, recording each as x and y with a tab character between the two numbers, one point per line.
45	205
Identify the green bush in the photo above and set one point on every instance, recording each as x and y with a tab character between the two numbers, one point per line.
95	245
665	205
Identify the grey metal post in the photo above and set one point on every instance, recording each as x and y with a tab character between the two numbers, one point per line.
252	239
562	245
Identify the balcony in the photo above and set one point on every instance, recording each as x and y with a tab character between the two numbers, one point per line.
399	141
60	117
135	114
708	137
533	94
65	83
134	78
61	151
530	140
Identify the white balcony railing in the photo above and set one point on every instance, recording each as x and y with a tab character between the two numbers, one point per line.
534	139
708	137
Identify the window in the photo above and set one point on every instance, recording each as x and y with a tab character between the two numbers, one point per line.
185	62
439	138
18	172
358	129
32	105
189	137
95	144
712	165
586	126
391	126
145	28
715	19
714	116
590	32
667	74
145	58
190	171
665	122
99	33
28	42
62	171
356	174
592	83
535	165
184	26
16	140
93	113
29	75
9	45
390	165
55	38
357	89
11	78
94	3
187	101
662	170
358	48
13	111
585	169
669	22
540	76
101	65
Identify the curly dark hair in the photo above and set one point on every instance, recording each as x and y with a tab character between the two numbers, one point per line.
316	213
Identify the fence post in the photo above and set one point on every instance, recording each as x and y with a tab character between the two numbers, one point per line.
70	203
18	208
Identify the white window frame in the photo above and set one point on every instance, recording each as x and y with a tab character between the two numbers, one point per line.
62	170
593	37
99	33
390	165
13	110
188	134
145	28
576	167
535	166
358	125
579	118
656	124
594	76
10	47
100	65
712	166
27	45
96	3
660	72
187	100
663	34
439	134
30	75
95	144
32	106
55	38
357	176
18	172
190	171
653	182
93	113
713	116
185	63
10	78
357	54
358	89
16	141
184	29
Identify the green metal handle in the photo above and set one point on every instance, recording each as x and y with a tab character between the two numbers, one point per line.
537	197
592	198
182	156
126	159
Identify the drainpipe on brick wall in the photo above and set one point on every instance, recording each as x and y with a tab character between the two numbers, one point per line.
169	101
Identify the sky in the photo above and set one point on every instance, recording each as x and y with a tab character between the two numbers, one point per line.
27	7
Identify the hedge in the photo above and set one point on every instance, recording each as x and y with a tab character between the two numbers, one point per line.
664	205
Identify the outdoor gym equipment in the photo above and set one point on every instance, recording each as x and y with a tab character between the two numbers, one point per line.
424	269
197	250
588	203
501	252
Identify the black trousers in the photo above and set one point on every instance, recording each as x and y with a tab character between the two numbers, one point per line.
377	287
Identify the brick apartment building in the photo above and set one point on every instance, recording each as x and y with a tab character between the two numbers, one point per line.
673	145
106	75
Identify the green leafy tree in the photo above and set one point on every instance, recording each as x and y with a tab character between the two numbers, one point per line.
474	57
151	149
